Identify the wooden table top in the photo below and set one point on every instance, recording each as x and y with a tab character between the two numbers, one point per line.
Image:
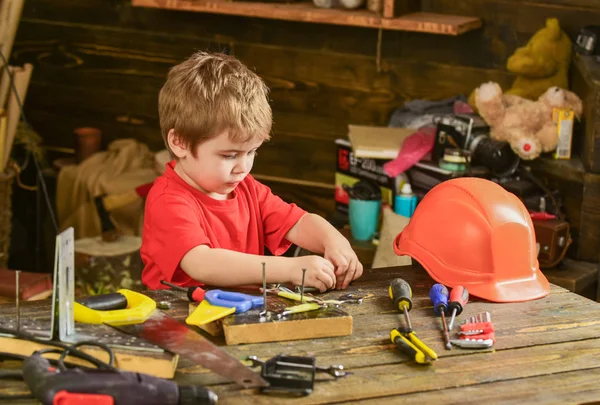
546	351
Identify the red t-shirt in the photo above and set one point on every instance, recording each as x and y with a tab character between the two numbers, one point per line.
178	218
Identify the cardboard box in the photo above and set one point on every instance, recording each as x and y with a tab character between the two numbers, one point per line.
350	169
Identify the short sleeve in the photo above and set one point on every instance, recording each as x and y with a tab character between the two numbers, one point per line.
278	217
175	227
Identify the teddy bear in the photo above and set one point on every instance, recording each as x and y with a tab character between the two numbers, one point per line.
525	124
542	63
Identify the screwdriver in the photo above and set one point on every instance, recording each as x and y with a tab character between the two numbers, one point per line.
194	294
459	296
439	296
401	294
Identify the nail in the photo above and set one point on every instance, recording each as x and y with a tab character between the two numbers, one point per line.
17	294
264	277
302	287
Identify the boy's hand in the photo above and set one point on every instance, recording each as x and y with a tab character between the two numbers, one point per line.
347	266
319	272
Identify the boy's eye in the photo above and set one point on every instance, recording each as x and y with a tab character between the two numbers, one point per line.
229	156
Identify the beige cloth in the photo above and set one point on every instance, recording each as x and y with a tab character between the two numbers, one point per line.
125	165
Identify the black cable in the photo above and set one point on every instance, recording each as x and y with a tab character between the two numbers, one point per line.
62	348
66	352
26	126
73	351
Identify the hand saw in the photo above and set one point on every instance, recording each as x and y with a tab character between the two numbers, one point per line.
168	333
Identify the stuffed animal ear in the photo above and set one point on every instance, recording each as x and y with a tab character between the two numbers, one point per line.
573	101
553	28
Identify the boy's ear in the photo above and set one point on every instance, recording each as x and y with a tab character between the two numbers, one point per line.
176	144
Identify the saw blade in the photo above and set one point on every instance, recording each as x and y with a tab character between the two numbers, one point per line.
176	337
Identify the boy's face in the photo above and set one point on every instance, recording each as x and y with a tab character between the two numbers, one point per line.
219	166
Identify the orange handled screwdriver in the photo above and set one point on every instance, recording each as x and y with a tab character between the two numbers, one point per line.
194	294
459	296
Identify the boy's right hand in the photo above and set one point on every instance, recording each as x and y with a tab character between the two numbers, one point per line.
319	272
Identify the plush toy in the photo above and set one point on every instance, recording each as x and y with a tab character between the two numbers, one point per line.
526	125
542	63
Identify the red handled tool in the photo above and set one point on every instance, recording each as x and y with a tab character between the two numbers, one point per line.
459	296
194	294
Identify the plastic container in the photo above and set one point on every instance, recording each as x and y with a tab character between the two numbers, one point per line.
405	202
364	206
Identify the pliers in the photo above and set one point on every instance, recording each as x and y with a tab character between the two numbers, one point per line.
407	341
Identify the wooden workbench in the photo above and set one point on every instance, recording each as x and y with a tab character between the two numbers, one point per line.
547	351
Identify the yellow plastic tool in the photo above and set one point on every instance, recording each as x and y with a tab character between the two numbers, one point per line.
207	313
410	344
290	295
139	308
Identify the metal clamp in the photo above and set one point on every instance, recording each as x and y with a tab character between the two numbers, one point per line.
292	374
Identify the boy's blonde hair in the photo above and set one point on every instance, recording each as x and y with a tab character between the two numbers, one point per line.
209	93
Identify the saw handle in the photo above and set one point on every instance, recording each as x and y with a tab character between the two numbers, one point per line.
104	302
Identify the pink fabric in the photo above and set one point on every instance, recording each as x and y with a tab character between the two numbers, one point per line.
460	107
413	149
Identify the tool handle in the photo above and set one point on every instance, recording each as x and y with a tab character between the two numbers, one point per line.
80	386
105	302
459	296
406	347
174	286
241	302
401	294
196	294
439	297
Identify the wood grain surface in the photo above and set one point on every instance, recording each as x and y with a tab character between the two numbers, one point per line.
544	349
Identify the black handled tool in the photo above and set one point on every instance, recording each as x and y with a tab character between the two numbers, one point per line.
401	294
104	302
194	294
78	386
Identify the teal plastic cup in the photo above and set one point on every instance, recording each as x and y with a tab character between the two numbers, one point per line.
363	216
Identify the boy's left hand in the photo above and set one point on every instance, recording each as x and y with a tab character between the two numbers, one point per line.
347	266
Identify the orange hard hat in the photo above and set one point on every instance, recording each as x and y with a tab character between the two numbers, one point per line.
471	232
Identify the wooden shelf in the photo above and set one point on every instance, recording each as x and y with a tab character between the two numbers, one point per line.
307	12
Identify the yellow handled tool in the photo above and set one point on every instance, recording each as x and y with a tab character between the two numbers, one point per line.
410	344
311	306
405	338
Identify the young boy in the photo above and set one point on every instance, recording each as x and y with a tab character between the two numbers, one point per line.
206	219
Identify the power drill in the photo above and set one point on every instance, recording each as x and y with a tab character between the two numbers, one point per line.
76	386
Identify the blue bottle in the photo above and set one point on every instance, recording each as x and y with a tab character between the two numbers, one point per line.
405	202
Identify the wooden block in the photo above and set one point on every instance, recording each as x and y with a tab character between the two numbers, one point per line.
161	365
249	328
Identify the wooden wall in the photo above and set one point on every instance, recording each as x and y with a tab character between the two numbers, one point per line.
101	63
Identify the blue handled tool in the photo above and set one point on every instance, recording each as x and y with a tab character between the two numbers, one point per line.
242	302
439	297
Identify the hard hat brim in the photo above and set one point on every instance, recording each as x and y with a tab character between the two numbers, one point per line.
534	286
